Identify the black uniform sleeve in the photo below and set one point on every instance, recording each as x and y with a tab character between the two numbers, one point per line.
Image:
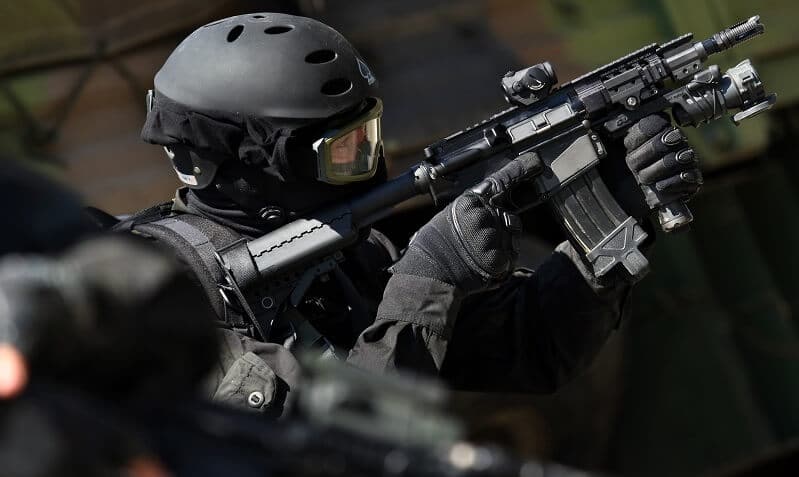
532	334
538	331
412	329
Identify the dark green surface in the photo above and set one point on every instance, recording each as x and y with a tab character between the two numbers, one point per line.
745	286
712	372
712	352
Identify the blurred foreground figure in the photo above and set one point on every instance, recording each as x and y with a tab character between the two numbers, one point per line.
95	322
93	332
268	118
50	220
111	298
115	298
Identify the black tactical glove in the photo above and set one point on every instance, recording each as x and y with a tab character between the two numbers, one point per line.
664	164
659	163
470	244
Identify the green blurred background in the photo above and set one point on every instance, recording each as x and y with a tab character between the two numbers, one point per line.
704	372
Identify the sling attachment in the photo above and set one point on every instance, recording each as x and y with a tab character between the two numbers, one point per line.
306	333
193	241
238	263
307	336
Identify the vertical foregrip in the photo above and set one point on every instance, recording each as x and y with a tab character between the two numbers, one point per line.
596	222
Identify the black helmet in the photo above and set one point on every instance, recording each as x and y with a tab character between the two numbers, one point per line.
266	65
274	92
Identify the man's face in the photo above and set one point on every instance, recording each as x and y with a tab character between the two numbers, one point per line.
349	154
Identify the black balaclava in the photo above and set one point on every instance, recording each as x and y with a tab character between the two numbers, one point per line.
253	203
264	170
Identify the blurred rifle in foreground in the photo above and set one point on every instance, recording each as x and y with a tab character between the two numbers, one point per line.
346	423
560	127
350	423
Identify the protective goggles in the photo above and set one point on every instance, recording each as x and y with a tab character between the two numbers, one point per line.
351	153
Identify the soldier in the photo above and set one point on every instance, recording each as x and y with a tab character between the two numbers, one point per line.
137	344
50	221
77	328
269	117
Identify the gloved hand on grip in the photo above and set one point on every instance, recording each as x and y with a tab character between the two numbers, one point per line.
662	161
470	244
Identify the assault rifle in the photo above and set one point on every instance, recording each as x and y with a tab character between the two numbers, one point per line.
560	127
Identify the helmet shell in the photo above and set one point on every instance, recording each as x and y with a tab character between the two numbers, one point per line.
266	65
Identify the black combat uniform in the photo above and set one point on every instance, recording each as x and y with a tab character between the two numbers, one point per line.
257	146
533	333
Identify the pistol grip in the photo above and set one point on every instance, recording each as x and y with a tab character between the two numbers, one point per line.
607	235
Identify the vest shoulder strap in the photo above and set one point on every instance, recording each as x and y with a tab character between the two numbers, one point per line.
195	240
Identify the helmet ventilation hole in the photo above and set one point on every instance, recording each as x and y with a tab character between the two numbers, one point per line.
234	33
258	16
320	56
278	29
336	86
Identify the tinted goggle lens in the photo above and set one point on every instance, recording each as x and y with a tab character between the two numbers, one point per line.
352	153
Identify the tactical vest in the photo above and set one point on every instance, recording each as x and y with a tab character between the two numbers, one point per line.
196	240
